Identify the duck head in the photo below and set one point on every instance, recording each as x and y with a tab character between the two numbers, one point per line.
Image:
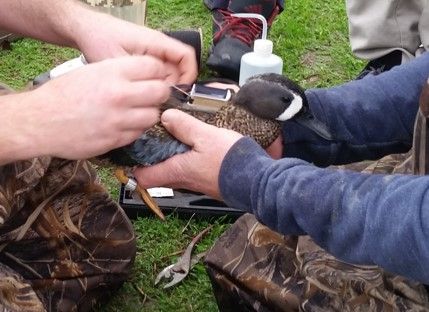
276	97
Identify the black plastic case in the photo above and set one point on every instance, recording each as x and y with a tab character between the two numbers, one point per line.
184	204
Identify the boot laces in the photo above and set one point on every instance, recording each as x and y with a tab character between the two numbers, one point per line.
245	30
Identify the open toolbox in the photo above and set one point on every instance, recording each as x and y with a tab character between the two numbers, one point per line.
184	204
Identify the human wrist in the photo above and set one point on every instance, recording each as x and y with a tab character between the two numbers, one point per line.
47	20
74	27
84	31
67	22
239	166
19	137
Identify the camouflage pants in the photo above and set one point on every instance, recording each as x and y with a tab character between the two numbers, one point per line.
64	243
255	269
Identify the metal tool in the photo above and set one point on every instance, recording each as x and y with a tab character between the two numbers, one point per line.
176	272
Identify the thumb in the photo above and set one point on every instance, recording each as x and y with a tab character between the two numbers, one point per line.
182	125
165	173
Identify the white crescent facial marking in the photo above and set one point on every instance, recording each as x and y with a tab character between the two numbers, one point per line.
294	107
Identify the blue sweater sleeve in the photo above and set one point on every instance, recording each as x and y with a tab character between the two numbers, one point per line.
369	118
360	218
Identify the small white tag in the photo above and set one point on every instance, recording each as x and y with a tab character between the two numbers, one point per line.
160	192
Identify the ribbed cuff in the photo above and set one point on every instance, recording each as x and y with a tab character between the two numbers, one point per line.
239	167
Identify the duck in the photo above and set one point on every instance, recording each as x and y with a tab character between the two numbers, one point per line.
257	110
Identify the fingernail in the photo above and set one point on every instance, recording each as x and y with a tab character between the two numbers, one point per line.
166	116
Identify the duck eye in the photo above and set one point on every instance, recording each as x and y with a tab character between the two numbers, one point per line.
288	98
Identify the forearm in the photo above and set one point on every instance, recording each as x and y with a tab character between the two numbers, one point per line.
19	139
53	21
360	218
368	118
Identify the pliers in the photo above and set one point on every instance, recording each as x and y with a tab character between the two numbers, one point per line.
177	271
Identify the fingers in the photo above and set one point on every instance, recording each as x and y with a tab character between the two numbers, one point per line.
183	57
140	67
173	73
127	137
147	93
182	125
140	119
188	67
170	60
275	150
162	174
144	83
177	53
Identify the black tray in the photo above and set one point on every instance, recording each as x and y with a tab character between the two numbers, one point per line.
184	204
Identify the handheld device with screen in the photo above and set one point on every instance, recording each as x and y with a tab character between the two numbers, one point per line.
209	96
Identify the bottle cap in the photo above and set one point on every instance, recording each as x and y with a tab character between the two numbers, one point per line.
263	46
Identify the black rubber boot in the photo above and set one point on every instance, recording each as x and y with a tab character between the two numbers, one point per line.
381	64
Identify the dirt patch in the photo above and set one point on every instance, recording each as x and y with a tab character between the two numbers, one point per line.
308	59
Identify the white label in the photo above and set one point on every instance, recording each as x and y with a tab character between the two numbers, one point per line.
160	192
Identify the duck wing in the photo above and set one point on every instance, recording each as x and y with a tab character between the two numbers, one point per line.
153	146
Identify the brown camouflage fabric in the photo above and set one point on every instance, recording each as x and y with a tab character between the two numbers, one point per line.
255	269
64	243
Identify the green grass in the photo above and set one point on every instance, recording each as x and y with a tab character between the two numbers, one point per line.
156	241
29	58
310	36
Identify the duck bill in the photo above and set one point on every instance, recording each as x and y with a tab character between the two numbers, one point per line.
316	126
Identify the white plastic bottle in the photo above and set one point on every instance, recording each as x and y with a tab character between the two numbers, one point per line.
261	60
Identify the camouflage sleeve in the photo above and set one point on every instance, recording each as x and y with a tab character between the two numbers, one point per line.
360	218
369	118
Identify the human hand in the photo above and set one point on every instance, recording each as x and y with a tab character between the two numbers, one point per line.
108	37
95	108
275	150
198	169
